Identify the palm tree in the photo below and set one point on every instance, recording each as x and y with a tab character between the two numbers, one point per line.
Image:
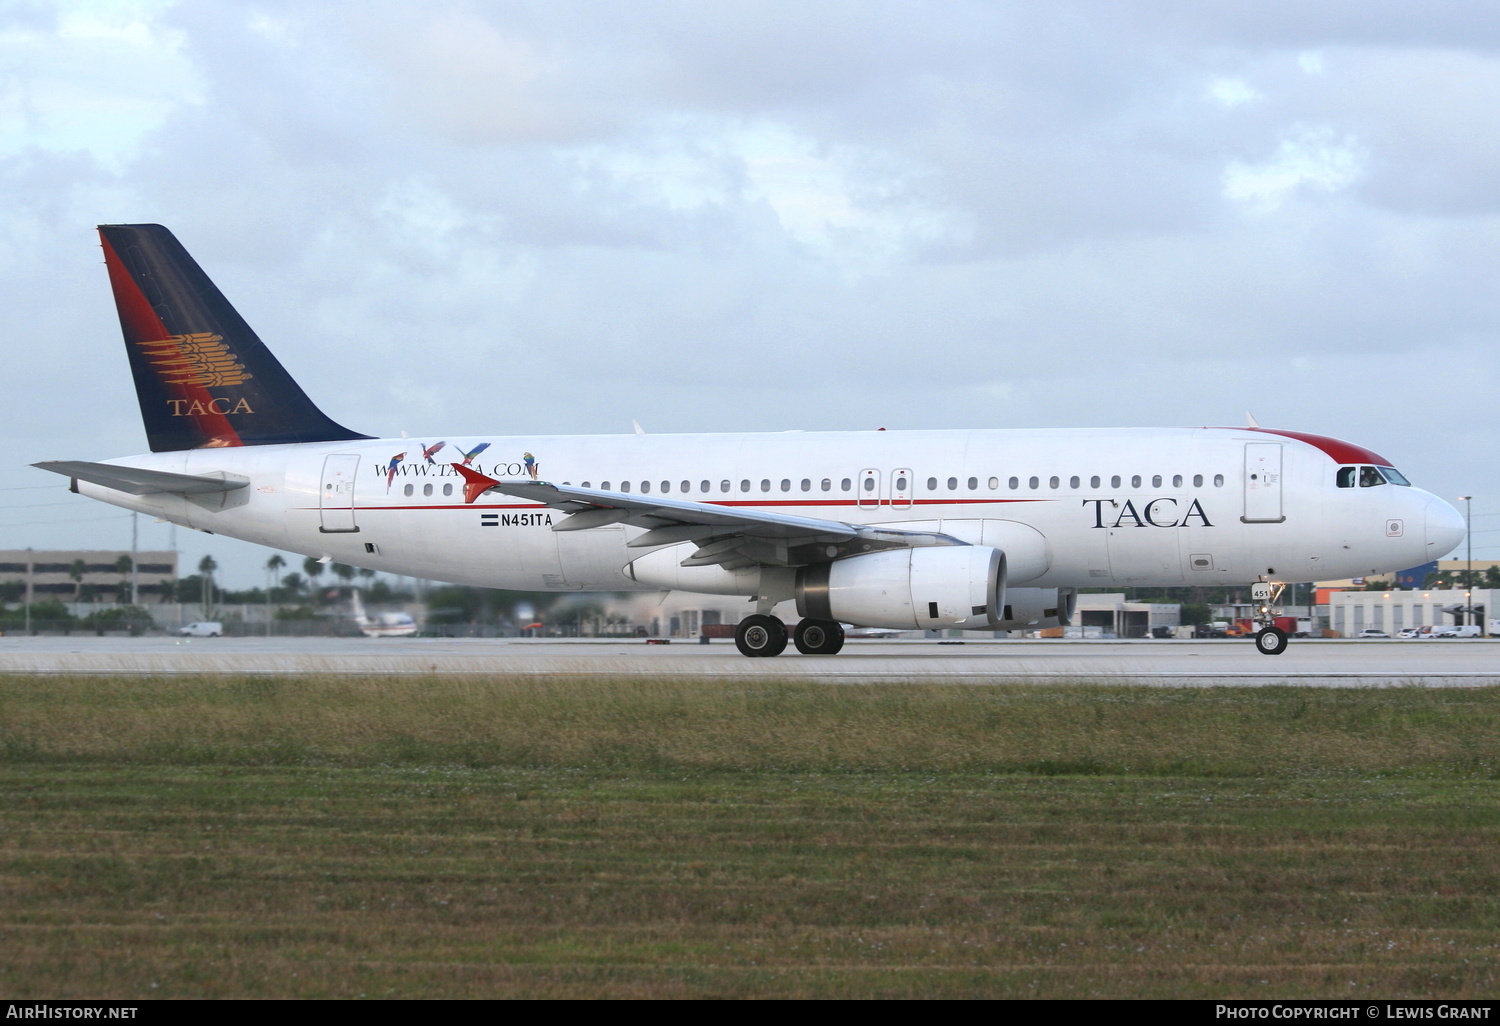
206	567
314	570
273	564
123	566
76	571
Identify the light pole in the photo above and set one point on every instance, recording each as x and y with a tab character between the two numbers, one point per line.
1468	501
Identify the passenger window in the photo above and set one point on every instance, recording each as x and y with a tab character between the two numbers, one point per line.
1156	481
666	488
1015	483
427	489
786	484
1197	480
1053	483
901	483
827	485
994	483
584	485
765	484
1073	482
724	487
744	486
973	484
448	489
869	484
408	490
645	487
1176	480
1135	480
1094	481
1369	477
1114	482
1035	482
624	486
1346	476
844	485
703	486
932	484
953	484
1218	480
806	485
604	486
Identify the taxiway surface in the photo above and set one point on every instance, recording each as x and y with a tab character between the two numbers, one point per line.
1444	663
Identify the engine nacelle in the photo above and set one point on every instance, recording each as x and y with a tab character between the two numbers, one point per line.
958	586
1038	608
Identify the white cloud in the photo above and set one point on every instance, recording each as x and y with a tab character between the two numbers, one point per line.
1315	157
1231	92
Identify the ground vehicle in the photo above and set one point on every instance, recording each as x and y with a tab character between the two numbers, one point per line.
1372	632
1470	631
202	629
1410	632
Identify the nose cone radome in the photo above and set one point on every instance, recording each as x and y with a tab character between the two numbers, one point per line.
1445	528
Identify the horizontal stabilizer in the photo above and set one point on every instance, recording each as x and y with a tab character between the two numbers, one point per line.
139	482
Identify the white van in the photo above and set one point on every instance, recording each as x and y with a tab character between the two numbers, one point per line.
202	629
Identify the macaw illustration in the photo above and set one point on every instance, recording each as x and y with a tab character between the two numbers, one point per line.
531	464
429	453
469	456
390	471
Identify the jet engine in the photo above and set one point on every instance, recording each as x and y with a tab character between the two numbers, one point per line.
1038	608
958	586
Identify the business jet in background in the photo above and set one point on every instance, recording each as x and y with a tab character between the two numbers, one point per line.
974	529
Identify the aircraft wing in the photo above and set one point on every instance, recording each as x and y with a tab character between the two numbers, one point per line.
140	482
730	536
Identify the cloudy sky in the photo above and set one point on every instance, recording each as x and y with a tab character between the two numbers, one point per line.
465	218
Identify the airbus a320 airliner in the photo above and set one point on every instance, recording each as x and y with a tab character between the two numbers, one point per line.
975	529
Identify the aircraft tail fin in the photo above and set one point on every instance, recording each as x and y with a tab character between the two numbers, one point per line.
203	377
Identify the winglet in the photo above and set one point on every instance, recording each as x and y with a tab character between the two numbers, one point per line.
475	483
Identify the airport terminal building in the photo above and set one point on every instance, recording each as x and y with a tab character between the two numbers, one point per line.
79	575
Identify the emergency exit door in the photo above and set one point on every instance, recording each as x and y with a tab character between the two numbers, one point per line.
336	494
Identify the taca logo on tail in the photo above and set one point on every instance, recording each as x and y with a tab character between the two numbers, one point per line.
203	377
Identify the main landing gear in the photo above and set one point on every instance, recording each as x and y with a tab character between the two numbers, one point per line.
761	635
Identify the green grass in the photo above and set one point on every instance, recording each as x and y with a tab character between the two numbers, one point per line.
459	837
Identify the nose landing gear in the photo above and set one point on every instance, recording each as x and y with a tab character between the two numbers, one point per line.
1270	639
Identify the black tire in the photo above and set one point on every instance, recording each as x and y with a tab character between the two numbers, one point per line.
759	635
819	637
1271	641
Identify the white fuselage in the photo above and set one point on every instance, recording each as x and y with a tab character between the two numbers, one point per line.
1143	507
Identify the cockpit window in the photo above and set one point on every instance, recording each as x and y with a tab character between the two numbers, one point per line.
1395	476
1369	477
1347	476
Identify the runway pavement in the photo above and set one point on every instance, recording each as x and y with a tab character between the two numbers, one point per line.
1445	663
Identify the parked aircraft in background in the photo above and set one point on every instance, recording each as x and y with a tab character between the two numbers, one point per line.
381	625
971	529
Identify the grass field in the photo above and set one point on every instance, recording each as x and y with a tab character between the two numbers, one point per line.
462	837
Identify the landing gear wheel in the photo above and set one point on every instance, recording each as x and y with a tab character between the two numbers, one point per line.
1271	641
759	635
818	637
